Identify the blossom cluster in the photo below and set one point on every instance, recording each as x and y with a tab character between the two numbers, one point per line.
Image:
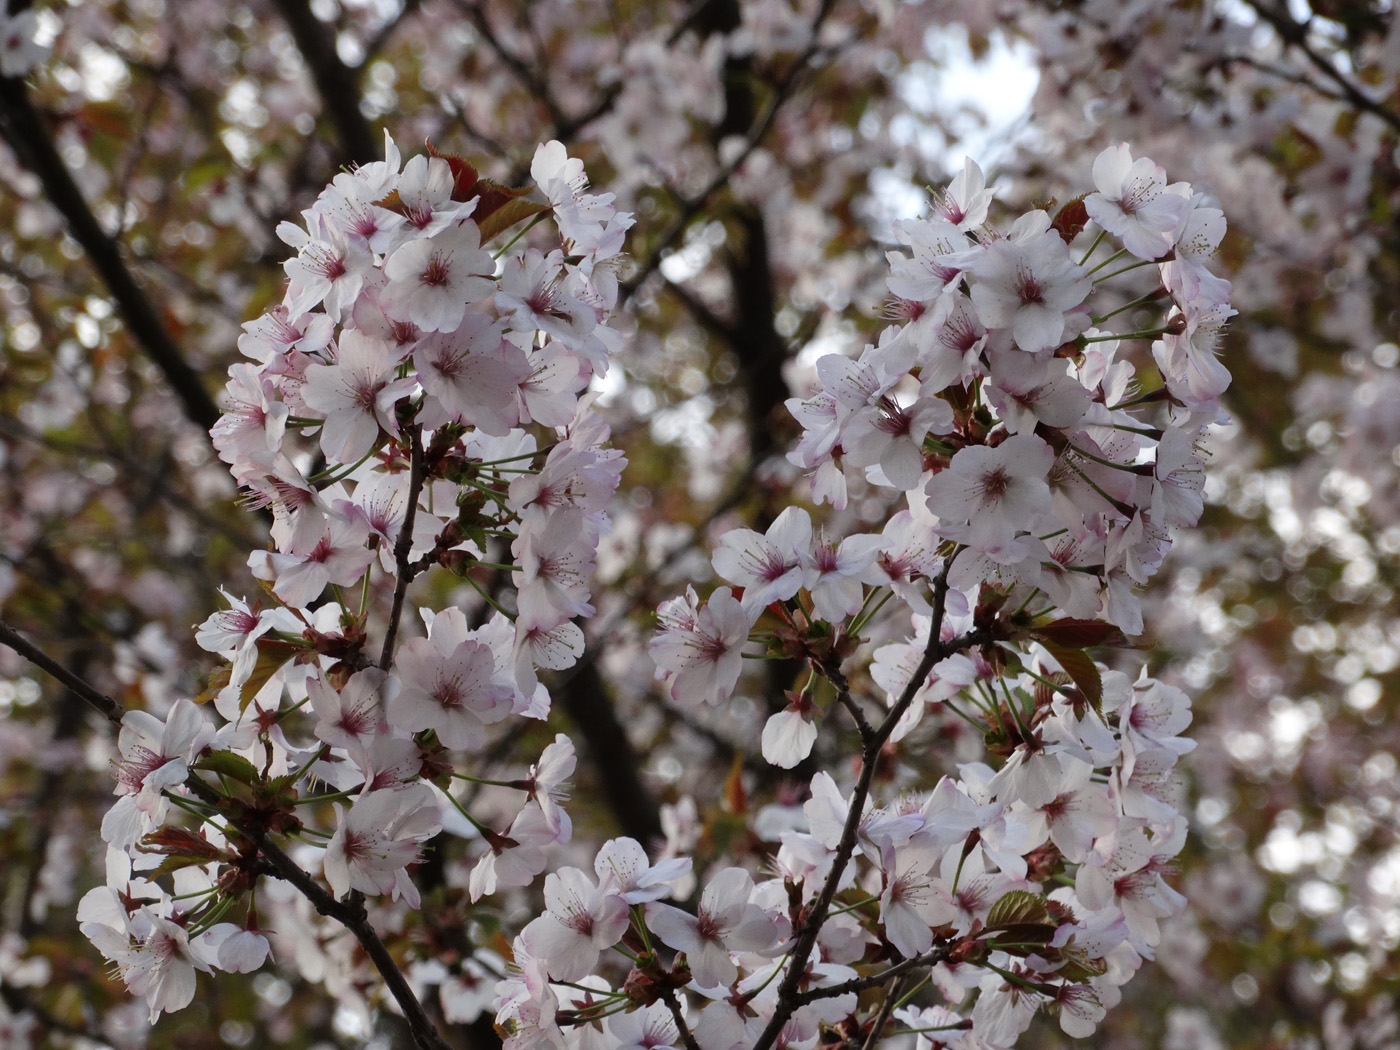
391	422
415	402
1035	471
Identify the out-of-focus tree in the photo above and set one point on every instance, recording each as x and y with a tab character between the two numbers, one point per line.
765	149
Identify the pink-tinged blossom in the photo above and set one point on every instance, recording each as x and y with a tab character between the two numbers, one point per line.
826	810
876	430
623	861
548	395
234	633
1185	274
1146	785
1080	812
275	334
340	557
432	280
425	198
378	838
1029	286
581	921
1134	202
840	570
1025	391
909	907
472	375
965	202
559	177
350	202
1151	715
1125	870
1003	1011
449	684
546	784
155	757
527	1005
154	957
328	270
724	921
249	434
941	254
515	858
578	472
650	1028
998	491
698	649
356	395
1179	478
948	343
1188	361
379	502
769	566
235	949
533	297
350	718
908	559
555	550
788	735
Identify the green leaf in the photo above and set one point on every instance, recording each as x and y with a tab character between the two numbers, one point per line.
1019	908
1021	919
227	764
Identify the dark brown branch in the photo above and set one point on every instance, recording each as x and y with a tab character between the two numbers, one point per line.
25	133
669	998
875	980
337	84
1296	34
935	651
404	545
882	1018
691	207
350	913
101	702
586	701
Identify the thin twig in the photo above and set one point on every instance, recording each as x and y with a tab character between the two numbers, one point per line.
1296	34
669	998
404	545
101	702
934	652
875	980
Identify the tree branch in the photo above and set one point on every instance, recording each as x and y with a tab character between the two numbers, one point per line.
934	652
337	83
1296	34
404	545
99	701
875	980
26	135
